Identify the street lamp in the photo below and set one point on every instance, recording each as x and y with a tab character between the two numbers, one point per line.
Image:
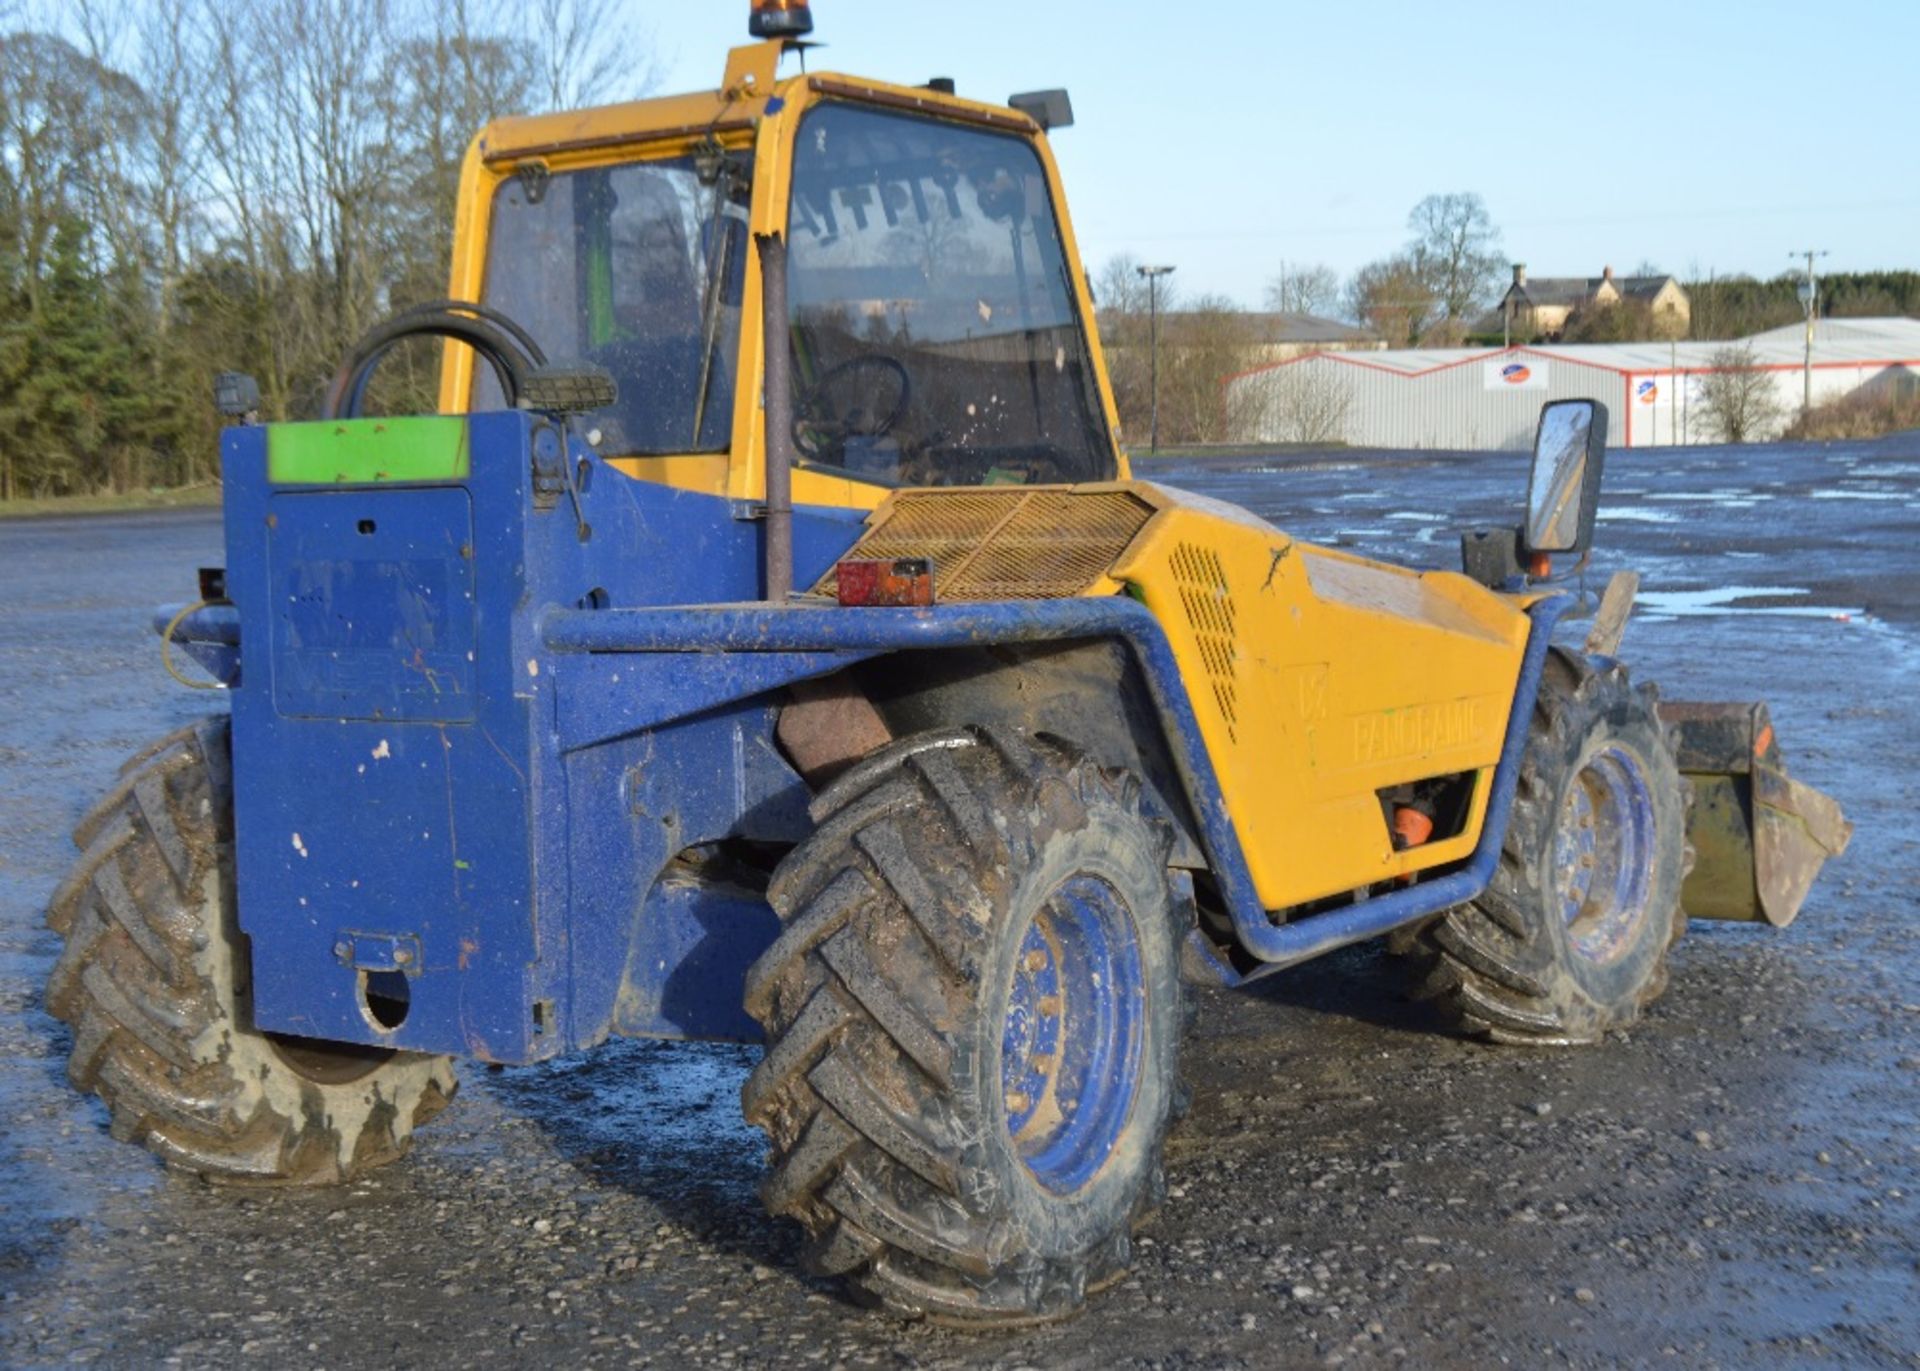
1809	292
1153	275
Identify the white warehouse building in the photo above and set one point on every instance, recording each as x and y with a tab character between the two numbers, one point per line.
1475	398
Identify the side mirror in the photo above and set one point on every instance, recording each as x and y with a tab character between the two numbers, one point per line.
1564	495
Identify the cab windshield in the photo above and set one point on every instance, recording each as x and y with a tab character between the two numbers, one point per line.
638	269
933	325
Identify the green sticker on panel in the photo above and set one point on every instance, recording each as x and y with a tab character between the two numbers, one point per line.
424	447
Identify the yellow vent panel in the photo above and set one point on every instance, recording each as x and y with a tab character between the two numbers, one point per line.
1202	583
1042	543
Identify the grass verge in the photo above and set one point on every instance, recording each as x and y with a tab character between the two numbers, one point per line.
187	497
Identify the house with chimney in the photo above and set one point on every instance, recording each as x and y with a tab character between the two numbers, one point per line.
1545	307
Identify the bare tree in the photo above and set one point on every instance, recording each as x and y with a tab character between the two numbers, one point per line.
1455	247
1303	288
1207	340
1304	401
60	115
588	52
1120	291
1203	340
458	76
1395	299
171	65
1739	403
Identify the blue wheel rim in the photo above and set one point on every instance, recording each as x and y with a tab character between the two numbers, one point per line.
1603	855
1072	1045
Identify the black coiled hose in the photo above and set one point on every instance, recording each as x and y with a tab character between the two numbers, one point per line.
506	347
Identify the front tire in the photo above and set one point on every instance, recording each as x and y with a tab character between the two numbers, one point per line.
154	980
1571	936
973	1014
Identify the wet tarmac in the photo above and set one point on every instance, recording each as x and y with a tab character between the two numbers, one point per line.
1732	1183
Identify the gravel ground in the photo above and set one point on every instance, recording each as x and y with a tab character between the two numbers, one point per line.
1731	1183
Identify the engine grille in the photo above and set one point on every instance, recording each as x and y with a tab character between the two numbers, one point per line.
1041	543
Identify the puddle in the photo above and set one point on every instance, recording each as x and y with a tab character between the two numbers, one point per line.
1901	644
1725	600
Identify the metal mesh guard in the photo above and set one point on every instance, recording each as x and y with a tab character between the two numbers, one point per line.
1040	543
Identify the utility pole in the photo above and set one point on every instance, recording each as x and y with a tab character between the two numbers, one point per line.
1809	293
1153	275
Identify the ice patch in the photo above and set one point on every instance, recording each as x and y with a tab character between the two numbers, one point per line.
1731	496
1419	518
1636	516
1678	604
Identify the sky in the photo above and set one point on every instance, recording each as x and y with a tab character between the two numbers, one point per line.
1229	137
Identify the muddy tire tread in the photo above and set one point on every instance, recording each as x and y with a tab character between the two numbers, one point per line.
854	1091
133	914
1486	965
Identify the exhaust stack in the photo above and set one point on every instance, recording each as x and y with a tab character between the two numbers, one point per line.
777	370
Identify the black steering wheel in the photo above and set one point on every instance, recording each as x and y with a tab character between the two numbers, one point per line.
817	423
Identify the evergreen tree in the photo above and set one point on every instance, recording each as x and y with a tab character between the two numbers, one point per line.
76	408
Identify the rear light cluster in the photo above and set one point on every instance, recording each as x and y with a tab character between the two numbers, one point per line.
885	581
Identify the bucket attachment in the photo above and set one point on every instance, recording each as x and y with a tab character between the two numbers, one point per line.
1758	836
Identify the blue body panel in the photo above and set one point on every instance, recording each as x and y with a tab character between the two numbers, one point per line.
473	730
413	768
764	631
346	591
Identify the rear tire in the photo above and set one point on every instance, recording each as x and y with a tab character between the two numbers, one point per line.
154	982
1570	937
973	1016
